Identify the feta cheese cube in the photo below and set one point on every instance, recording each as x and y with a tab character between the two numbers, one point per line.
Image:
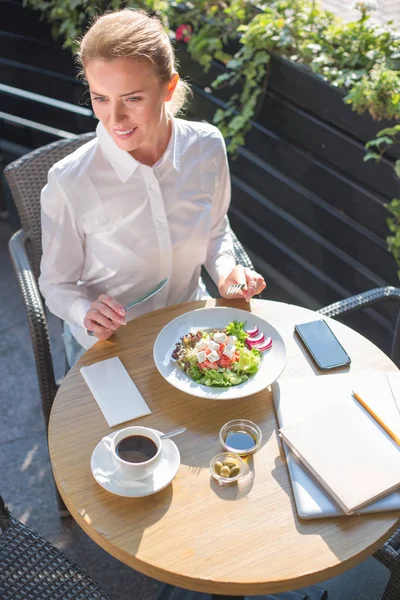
201	344
201	356
220	338
213	356
229	351
213	345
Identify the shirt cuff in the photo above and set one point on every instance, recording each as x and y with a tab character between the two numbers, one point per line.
77	311
224	265
82	336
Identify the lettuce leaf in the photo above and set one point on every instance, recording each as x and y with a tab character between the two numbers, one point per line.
215	377
249	361
236	328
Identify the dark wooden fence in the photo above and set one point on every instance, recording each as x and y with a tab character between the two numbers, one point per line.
306	206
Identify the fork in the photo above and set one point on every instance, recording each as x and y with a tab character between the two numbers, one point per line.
234	288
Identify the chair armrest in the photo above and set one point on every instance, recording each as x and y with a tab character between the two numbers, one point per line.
36	320
242	258
360	301
389	553
4	515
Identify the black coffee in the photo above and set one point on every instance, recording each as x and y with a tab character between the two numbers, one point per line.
136	449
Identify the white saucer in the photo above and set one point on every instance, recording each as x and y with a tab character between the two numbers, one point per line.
110	479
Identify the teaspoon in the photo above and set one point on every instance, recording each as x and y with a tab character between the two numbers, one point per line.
172	433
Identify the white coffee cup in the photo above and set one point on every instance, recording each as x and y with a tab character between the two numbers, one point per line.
134	470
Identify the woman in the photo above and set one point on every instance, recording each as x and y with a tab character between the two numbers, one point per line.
146	199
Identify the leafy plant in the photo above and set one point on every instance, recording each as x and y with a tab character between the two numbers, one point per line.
68	18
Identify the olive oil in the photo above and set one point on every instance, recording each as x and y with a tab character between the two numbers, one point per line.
240	440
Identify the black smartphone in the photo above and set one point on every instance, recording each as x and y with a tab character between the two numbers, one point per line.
322	344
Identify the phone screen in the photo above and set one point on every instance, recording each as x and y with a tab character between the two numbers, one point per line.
322	344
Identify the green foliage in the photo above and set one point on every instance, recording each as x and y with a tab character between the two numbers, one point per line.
377	92
69	18
384	140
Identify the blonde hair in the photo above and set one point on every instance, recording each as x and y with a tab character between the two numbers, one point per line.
133	34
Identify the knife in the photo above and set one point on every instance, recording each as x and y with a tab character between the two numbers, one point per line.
148	294
157	288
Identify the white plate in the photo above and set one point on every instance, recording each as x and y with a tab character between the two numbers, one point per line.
273	361
110	479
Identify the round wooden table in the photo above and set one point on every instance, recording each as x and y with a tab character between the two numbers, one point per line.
238	539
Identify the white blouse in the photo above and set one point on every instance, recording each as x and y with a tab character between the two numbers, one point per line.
113	225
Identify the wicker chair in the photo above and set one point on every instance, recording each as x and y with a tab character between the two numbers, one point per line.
389	553
26	178
33	569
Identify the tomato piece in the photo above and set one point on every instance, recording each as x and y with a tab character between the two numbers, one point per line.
211	365
221	350
206	364
225	362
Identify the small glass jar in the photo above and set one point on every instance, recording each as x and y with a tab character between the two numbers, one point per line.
226	457
244	430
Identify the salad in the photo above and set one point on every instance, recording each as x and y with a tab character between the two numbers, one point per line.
221	358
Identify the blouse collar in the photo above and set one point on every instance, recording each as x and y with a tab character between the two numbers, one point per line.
124	164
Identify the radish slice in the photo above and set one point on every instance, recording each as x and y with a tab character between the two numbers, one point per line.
257	339
252	332
265	345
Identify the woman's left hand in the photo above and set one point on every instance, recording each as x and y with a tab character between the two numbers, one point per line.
253	281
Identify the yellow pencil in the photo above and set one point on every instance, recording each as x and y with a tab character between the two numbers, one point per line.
377	419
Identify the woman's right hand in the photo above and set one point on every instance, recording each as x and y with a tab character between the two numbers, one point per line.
104	316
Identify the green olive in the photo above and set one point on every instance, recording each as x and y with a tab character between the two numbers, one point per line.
217	466
235	471
229	462
225	472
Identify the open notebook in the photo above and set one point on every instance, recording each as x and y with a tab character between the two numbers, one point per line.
350	455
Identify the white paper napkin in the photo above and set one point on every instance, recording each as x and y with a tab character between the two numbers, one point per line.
115	393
